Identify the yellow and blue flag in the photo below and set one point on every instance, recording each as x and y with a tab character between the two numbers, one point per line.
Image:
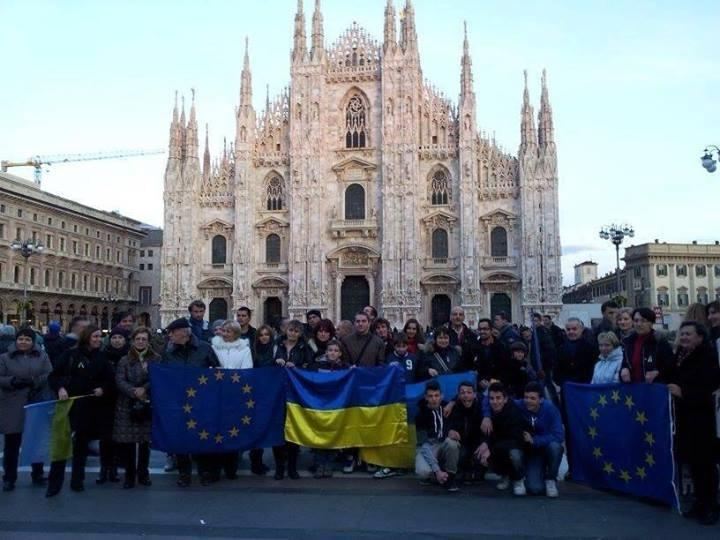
352	408
198	410
402	455
46	432
621	438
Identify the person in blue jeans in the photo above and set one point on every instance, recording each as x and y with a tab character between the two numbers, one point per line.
543	441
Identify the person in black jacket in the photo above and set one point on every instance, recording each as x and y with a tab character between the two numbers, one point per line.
504	449
646	354
692	379
464	426
186	350
85	371
439	357
485	354
461	337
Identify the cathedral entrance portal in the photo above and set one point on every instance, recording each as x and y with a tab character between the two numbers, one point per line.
272	311
354	295
440	306
500	302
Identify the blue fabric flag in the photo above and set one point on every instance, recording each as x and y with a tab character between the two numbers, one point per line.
621	438
199	410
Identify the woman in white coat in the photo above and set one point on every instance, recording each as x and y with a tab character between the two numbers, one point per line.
232	351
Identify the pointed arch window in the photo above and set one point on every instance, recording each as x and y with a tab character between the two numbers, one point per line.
219	249
272	249
498	242
355	202
439	188
275	193
355	123
439	245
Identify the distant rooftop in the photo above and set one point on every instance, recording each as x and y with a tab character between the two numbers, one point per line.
154	237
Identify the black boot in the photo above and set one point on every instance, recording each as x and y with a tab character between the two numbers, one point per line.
113	474
451	484
279	471
104	473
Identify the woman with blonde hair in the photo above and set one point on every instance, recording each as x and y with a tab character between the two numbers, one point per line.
607	368
624	323
232	351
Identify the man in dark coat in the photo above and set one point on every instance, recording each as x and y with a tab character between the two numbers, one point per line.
199	326
508	333
186	350
461	336
485	354
363	348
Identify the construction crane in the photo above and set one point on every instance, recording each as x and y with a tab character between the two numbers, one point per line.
39	161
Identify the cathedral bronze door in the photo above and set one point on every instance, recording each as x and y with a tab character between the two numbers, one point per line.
273	311
354	295
218	310
500	302
440	306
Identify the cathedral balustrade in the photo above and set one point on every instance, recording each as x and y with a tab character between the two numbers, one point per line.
437	151
365	227
440	262
500	262
271	268
209	270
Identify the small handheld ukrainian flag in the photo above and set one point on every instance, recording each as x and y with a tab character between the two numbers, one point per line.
353	408
47	432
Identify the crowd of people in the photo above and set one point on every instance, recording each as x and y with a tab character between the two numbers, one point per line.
511	421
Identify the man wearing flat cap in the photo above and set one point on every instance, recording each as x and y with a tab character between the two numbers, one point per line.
186	350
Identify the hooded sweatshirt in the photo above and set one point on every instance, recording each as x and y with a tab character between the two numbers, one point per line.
607	368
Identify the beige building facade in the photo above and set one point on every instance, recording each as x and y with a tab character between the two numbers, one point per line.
88	264
362	184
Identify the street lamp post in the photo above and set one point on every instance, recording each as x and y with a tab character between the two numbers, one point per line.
26	248
707	160
616	234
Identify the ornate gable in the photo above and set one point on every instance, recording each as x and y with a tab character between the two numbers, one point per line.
217	226
271	225
354	168
439	218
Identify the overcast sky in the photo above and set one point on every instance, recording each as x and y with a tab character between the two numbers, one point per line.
634	87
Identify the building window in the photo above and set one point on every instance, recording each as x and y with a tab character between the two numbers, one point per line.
16	274
107	284
700	270
61	279
439	188
2	208
35	217
2	230
107	254
150	253
73	281
702	295
87	250
49	221
74	228
62	245
661	270
663	299
440	245
118	256
274	193
97	284
142	266
117	287
74	247
272	249
97	252
19	233
145	296
142	252
62	224
87	231
48	241
97	234
150	266
355	123
682	298
498	242
85	283
19	212
47	278
32	276
716	270
355	202
219	249
681	270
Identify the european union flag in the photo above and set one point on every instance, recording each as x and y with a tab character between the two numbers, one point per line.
199	410
621	438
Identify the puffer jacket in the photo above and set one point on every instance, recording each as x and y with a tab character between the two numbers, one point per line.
233	354
607	368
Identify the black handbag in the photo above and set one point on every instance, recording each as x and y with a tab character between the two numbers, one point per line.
140	411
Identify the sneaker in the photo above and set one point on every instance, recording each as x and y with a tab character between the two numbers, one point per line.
170	464
503	484
385	473
349	467
519	488
451	485
551	489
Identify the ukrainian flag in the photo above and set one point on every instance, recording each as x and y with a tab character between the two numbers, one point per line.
47	432
352	408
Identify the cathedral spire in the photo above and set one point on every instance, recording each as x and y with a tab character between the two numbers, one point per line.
390	28
318	35
528	135
546	131
206	156
409	33
246	80
175	146
466	76
299	52
191	136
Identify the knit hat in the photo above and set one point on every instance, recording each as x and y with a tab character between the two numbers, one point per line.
27	332
119	331
54	328
178	324
518	346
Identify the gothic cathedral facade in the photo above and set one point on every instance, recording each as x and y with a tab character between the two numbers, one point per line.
362	184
